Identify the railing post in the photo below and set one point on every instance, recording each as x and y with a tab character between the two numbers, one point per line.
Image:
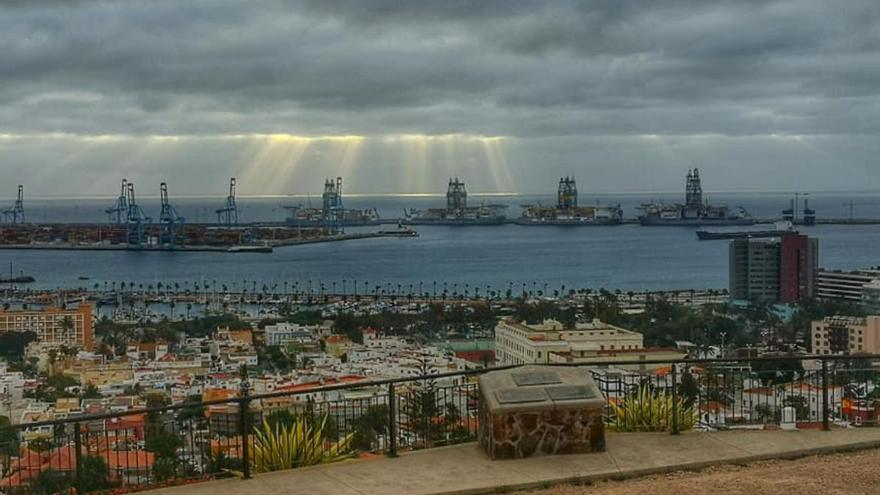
392	421
825	412
77	445
244	409
675	425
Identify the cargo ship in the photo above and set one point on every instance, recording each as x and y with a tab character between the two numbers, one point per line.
695	212
781	229
332	211
457	211
567	212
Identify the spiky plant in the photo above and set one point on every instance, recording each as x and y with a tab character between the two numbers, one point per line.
300	443
645	409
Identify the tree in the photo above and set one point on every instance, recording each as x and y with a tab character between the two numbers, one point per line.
8	437
690	391
194	413
799	403
91	392
367	427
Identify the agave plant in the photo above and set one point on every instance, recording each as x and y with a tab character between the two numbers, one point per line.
648	410
300	443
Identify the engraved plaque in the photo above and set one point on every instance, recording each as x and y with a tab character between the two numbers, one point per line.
570	392
520	395
536	378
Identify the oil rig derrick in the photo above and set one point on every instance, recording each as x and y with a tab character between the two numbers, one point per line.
333	211
567	197
693	191
229	213
118	213
456	195
15	215
136	220
171	232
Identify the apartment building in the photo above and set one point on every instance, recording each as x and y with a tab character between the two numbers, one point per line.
846	335
844	285
774	270
54	326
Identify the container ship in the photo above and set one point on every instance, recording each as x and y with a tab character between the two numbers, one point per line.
331	211
568	212
457	211
695	212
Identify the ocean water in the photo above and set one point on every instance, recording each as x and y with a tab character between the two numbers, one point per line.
626	257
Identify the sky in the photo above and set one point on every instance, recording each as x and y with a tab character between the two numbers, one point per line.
398	96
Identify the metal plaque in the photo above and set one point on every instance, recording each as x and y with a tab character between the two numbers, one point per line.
518	395
570	392
536	378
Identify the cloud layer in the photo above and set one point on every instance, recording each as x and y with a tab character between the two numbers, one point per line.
601	89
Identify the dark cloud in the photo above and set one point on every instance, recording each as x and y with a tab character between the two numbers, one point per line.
527	69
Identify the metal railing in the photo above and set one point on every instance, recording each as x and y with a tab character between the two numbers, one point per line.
190	441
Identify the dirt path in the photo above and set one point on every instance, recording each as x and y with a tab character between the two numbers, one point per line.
854	473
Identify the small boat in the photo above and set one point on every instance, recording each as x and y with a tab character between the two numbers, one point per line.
82	277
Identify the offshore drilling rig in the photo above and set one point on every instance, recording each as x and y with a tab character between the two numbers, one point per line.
334	212
15	215
567	194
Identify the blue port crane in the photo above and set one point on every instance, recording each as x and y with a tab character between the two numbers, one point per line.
229	213
136	220
15	215
170	222
118	213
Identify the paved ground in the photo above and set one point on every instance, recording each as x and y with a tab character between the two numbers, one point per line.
851	474
464	469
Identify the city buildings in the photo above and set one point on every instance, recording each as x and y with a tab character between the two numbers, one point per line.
54	326
845	285
846	335
520	343
772	270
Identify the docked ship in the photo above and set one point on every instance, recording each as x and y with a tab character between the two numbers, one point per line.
331	212
457	211
781	228
568	212
695	212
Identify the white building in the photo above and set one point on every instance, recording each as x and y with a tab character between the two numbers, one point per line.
518	343
285	333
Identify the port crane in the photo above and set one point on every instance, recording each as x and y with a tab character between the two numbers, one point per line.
229	213
852	207
170	222
136	219
15	215
119	212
